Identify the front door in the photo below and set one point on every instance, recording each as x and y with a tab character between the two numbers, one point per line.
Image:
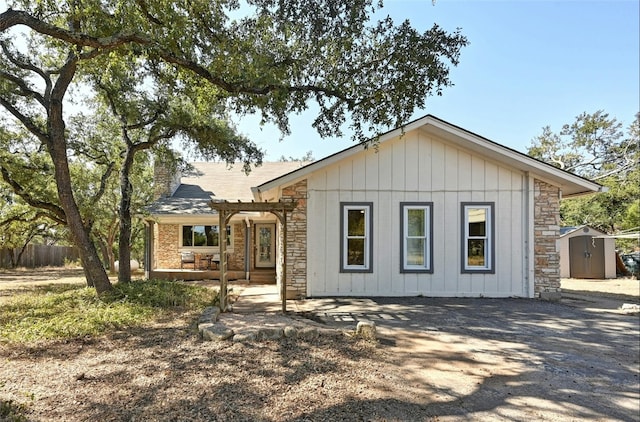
265	245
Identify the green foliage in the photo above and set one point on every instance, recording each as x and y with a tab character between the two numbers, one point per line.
268	57
307	157
596	147
69	311
162	294
11	411
593	146
631	220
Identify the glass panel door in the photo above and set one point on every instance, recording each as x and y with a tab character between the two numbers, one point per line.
265	245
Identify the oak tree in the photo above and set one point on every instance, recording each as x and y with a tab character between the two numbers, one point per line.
598	147
263	56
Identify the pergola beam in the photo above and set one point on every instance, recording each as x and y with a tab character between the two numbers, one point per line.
281	206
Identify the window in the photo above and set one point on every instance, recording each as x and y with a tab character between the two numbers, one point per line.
203	236
478	243
355	231
416	243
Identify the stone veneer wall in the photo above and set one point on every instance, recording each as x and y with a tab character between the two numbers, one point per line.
166	253
236	258
296	240
546	231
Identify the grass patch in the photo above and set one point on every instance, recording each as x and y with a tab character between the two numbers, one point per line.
12	412
71	311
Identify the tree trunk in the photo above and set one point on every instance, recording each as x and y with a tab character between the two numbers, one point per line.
105	251
13	261
93	269
57	146
124	244
22	249
111	259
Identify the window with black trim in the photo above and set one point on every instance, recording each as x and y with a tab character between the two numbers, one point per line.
416	243
478	240
203	236
356	236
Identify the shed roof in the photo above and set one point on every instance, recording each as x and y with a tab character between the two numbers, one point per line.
569	230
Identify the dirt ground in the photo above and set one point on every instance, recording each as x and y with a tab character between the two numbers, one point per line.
436	359
605	288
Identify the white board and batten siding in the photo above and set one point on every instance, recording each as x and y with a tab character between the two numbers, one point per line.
415	168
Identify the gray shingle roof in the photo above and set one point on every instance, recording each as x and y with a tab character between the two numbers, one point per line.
217	181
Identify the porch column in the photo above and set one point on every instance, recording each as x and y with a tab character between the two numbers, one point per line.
148	249
222	227
283	285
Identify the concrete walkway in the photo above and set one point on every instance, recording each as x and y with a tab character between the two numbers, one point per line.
265	299
260	298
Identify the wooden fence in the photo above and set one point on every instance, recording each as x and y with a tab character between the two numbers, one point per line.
39	256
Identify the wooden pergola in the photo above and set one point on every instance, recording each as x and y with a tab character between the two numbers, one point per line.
226	210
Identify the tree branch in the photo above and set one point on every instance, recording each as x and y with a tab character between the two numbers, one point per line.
104	44
22	219
28	66
103	182
57	211
12	18
26	121
145	11
25	91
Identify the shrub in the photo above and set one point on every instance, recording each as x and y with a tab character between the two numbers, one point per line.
71	311
12	412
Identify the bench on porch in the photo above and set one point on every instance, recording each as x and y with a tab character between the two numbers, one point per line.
187	258
199	261
205	261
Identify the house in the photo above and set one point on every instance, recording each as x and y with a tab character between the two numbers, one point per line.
586	252
432	209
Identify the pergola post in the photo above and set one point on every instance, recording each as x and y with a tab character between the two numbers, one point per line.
222	227
283	287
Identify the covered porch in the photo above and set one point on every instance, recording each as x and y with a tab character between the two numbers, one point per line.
252	249
188	247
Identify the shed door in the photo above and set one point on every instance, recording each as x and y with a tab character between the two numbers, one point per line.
586	257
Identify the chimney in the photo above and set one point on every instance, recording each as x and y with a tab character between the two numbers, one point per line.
166	179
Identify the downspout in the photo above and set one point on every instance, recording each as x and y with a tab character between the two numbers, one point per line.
529	235
148	243
247	249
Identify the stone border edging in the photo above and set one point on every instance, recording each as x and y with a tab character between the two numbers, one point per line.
211	330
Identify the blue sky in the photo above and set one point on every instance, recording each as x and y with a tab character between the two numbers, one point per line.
529	64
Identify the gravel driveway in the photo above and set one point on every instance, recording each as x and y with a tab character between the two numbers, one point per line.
506	359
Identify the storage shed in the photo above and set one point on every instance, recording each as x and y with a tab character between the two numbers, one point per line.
586	253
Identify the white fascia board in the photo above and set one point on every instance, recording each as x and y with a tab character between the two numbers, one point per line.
570	184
